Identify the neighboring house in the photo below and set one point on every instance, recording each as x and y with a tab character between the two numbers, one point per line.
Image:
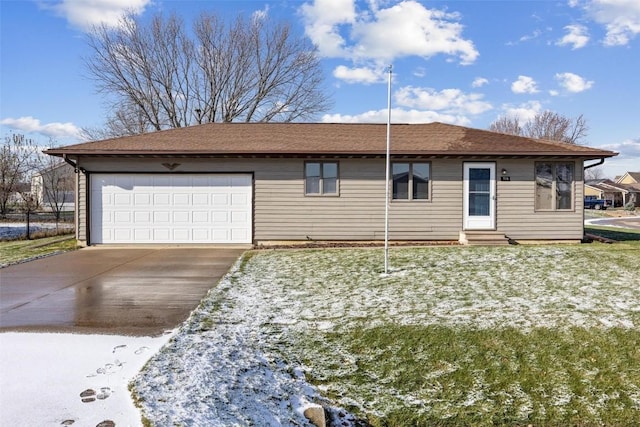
605	189
54	187
631	182
274	182
629	178
16	198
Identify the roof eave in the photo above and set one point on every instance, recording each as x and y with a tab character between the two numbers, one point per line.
169	153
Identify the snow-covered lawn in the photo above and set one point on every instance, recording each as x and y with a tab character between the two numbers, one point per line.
282	319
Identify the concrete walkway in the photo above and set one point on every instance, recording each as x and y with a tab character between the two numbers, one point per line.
136	291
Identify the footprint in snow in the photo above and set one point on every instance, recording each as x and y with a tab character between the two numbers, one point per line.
87	396
118	347
110	368
90	395
141	350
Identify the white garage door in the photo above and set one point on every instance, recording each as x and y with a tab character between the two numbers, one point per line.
167	208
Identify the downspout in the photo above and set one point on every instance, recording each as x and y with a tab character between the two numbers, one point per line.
76	207
71	162
601	161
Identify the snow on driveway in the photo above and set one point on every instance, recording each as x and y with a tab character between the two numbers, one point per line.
68	379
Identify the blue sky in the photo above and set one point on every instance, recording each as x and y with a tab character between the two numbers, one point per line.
460	62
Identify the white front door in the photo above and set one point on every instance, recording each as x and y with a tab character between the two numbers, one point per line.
479	196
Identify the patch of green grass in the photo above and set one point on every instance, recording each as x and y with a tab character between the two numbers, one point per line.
613	233
477	336
15	251
435	375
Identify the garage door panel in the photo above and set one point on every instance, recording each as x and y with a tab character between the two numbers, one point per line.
123	234
181	217
156	208
181	199
200	217
200	199
120	199
119	217
142	234
161	199
142	217
142	199
161	217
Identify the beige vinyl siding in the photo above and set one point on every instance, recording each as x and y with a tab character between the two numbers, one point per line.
283	212
516	214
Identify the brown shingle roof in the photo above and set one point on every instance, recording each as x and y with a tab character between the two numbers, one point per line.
432	139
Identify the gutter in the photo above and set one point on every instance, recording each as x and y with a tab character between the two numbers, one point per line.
71	162
595	164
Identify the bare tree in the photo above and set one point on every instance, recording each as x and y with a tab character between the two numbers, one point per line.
163	76
16	160
53	184
545	125
507	124
127	120
593	174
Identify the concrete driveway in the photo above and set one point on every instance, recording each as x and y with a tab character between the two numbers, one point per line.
137	291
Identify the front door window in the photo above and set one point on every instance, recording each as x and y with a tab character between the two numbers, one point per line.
479	196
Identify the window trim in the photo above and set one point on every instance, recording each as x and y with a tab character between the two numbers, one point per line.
410	183
554	191
321	193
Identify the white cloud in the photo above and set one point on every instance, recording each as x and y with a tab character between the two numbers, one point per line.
524	84
51	130
479	82
359	75
524	112
573	82
398	115
621	19
626	148
85	14
381	35
451	101
323	19
534	35
577	36
628	159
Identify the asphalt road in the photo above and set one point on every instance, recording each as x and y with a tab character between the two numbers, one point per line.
624	222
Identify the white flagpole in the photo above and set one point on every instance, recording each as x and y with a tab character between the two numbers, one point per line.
388	165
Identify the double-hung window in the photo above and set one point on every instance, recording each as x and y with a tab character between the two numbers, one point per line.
321	178
554	185
411	181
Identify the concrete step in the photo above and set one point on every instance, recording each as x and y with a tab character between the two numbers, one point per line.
483	238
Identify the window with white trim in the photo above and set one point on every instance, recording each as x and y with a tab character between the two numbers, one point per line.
321	178
554	185
411	180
